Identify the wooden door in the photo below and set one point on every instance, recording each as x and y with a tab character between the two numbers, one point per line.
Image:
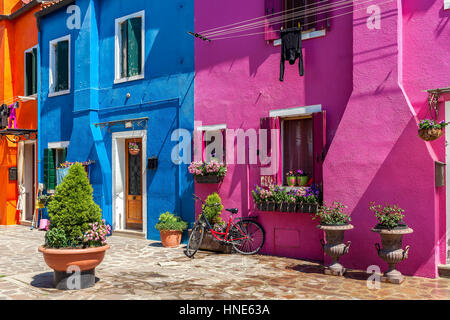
133	179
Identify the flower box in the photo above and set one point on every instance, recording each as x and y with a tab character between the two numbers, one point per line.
208	179
307	207
287	206
267	206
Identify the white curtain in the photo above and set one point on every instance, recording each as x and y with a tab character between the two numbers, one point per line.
20	180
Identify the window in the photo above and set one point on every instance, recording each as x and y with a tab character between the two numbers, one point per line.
59	66
130	47
446	4
311	15
30	72
297	146
53	158
210	153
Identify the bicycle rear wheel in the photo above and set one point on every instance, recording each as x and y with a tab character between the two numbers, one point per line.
195	239
255	237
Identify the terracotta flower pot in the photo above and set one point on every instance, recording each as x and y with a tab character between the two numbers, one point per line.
170	238
392	252
66	261
134	152
335	246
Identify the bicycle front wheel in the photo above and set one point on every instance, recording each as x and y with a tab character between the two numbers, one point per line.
195	239
254	237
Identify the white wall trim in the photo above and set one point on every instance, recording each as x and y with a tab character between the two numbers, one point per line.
447	179
52	67
118	21
297	111
58	145
25	86
446	4
305	36
214	127
118	172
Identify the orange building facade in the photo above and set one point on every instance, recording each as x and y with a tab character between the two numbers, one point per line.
18	83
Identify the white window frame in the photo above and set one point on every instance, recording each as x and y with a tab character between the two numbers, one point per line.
52	67
118	41
446	4
25	86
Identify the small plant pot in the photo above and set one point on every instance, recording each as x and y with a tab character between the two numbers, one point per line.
430	134
134	152
291	181
335	247
208	179
302	180
170	238
391	251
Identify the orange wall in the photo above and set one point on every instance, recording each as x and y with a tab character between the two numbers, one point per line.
17	36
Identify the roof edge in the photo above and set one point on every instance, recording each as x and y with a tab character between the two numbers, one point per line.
53	8
21	11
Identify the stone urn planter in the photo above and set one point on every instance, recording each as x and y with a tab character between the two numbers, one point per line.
65	262
335	247
170	238
391	251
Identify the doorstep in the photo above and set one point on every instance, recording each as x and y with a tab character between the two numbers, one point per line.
444	270
25	223
128	234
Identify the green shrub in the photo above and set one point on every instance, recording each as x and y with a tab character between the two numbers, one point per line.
214	209
55	238
168	221
72	207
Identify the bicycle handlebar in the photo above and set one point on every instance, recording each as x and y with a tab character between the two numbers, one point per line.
196	197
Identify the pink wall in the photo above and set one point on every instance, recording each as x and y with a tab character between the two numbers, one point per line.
373	149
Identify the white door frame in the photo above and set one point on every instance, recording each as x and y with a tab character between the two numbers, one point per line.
447	179
23	143
118	172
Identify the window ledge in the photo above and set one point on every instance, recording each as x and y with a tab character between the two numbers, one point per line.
58	93
305	36
134	78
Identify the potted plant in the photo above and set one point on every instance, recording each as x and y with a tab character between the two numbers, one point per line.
133	148
291	178
171	228
391	230
208	172
430	130
264	198
302	178
43	200
76	239
334	222
285	200
307	200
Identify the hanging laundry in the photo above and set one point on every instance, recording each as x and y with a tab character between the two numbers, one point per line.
12	114
61	173
291	49
4	115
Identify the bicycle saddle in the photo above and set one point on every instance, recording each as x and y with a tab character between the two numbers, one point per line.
233	210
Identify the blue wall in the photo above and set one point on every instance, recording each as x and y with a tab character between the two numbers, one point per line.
165	96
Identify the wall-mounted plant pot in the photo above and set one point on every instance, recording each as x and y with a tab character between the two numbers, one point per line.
430	134
287	206
307	207
291	181
208	179
302	181
134	152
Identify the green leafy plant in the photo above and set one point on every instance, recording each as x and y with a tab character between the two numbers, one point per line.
72	208
431	124
332	215
44	199
169	221
213	209
388	216
212	168
56	238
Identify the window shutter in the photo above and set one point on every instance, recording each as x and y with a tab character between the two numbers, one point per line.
319	128
134	46
29	73
322	16
272	31
273	176
34	72
64	155
49	169
124	47
62	65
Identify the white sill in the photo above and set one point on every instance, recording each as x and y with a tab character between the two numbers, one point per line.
447	5
305	36
58	93
133	78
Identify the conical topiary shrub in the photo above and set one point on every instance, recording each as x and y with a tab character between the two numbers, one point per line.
72	208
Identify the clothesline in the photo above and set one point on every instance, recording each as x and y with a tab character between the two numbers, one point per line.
68	164
17	98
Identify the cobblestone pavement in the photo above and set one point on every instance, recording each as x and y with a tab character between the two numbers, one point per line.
142	269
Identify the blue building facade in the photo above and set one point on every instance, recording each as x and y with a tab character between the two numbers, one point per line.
113	75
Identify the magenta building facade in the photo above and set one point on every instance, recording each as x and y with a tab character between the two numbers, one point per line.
366	74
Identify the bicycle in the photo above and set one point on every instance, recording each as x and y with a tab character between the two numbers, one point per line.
245	235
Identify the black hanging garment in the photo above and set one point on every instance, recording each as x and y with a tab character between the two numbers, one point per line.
4	115
291	49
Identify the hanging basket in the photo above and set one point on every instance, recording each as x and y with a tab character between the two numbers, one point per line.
134	152
430	134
